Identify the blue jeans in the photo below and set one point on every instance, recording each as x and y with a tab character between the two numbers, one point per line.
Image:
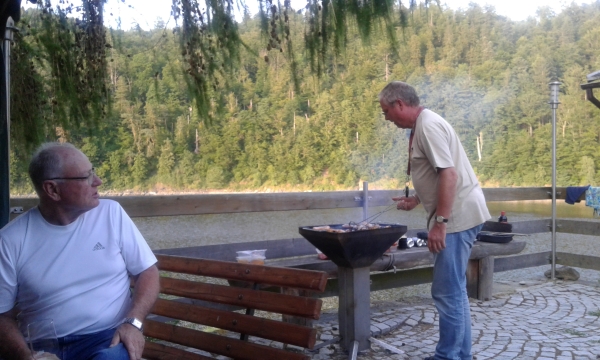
449	292
91	347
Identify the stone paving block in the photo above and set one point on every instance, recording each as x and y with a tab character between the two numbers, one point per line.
485	343
514	348
391	323
529	353
510	354
540	321
381	326
326	337
411	322
583	353
548	354
375	330
564	348
485	355
539	338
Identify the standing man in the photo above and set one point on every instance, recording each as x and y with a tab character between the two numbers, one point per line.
70	260
447	187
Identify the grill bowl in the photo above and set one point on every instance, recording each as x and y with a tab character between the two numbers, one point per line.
354	249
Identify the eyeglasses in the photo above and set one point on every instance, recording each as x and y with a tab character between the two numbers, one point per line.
89	178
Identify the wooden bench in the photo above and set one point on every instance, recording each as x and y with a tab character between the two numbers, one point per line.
402	268
181	324
415	266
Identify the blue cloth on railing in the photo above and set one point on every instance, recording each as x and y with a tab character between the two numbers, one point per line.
592	199
574	192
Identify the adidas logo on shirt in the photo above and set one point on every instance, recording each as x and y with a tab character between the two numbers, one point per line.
98	247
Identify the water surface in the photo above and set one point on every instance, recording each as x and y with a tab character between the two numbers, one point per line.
196	230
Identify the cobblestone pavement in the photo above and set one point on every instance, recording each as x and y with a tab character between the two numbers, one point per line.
543	320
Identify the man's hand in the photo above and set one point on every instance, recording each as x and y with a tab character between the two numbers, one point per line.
406	203
436	239
12	343
132	338
145	293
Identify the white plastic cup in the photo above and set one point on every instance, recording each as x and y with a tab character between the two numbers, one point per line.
256	257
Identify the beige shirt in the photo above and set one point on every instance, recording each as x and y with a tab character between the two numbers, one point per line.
436	145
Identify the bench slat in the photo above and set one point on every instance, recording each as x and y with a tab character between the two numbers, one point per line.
217	344
286	333
306	280
155	351
247	298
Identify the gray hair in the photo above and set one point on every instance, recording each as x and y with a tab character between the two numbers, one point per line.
46	163
398	90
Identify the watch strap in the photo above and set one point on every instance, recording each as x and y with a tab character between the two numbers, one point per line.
134	322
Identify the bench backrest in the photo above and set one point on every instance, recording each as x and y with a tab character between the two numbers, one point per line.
203	305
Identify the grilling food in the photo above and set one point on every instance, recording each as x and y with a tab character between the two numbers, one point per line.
350	227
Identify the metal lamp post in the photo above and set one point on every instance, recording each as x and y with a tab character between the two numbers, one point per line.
554	87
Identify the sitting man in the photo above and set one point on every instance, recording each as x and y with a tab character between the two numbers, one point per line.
70	260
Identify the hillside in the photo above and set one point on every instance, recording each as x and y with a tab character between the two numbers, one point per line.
487	75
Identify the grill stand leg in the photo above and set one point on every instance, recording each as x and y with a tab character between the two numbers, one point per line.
354	352
354	310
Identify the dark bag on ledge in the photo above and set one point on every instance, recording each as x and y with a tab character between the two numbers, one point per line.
491	232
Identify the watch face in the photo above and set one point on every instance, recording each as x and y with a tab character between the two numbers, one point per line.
441	219
135	322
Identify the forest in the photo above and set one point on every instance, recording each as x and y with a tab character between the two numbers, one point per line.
316	125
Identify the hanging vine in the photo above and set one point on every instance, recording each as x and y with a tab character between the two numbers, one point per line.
58	70
62	59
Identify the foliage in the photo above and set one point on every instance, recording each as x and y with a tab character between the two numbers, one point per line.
65	42
58	72
277	129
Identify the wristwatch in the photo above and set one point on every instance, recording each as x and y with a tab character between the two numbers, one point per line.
440	219
134	322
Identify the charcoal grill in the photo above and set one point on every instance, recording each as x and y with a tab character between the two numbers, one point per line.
354	252
354	249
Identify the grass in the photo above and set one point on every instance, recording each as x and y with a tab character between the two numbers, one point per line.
574	332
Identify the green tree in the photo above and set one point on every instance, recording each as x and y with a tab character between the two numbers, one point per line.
166	162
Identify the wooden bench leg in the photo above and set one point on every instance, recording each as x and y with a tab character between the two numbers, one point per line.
480	278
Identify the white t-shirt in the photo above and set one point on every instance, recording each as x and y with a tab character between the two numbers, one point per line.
436	145
77	275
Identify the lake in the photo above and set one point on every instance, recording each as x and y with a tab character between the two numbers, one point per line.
196	230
